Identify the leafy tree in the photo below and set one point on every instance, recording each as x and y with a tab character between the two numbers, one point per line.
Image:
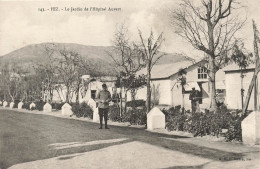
243	59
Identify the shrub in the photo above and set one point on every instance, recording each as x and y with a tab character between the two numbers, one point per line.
82	110
114	113
57	106
208	123
26	105
234	128
175	118
16	103
135	103
135	116
39	105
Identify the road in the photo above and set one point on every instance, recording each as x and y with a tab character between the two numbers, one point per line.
28	137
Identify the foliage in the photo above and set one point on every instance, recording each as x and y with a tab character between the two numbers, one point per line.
82	110
202	124
16	103
175	118
39	105
26	105
135	103
133	115
114	113
57	106
240	56
234	130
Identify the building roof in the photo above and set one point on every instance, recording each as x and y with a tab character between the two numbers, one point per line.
235	67
163	71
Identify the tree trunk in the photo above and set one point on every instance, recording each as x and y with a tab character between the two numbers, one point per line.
242	89
125	101
250	89
212	71
77	93
121	104
148	100
133	94
67	95
212	81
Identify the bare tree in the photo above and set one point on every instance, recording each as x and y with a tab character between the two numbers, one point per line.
12	76
209	26
150	52
47	72
127	56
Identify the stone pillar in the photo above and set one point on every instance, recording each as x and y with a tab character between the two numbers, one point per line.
92	104
66	110
95	115
32	105
251	129
155	119
11	105
20	105
5	104
47	108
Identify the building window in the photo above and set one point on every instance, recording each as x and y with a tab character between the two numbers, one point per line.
93	94
202	73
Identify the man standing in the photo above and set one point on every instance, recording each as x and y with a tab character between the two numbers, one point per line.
103	99
194	99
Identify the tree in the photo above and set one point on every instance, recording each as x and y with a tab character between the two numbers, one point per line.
47	72
257	69
70	69
12	76
127	56
243	59
150	55
182	79
209	27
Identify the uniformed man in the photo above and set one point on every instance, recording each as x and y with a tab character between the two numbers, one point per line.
103	99
194	100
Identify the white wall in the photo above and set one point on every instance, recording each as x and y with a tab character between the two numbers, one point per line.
233	89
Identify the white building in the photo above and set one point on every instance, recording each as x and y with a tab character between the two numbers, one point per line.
167	89
233	86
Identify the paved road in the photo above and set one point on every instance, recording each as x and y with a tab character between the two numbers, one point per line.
27	137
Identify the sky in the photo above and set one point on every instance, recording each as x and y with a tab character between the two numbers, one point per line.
23	23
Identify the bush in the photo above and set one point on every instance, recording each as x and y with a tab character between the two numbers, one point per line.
175	118
57	106
16	103
39	105
82	110
208	123
135	116
135	103
234	129
114	113
26	105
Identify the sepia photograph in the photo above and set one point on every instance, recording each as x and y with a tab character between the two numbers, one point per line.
129	84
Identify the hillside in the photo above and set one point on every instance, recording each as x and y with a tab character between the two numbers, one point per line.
36	53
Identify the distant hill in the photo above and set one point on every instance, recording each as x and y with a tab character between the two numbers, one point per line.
36	53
